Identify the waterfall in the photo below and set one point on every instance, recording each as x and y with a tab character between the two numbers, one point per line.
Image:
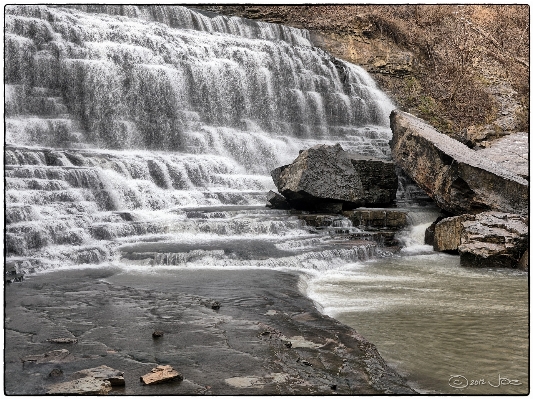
120	119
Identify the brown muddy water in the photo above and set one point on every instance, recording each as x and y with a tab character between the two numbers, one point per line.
446	328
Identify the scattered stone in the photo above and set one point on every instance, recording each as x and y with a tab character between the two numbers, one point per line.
63	340
54	356
327	179
55	373
81	386
115	377
277	201
459	180
161	374
488	239
157	334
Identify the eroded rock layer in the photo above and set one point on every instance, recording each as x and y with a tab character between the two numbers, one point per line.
458	179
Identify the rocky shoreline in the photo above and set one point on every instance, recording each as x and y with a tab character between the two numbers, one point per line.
265	338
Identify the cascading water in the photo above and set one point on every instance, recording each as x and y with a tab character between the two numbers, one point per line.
121	119
144	135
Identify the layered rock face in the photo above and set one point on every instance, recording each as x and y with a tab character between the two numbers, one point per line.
488	239
457	178
326	178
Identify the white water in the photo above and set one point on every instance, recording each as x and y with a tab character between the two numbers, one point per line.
143	136
120	118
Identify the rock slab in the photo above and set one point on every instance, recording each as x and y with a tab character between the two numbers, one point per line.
458	179
488	239
161	374
327	178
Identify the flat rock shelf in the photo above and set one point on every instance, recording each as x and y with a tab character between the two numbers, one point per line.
265	339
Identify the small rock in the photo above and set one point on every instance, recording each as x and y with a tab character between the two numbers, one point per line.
157	334
161	374
288	344
333	387
215	305
105	373
81	386
277	201
55	373
63	340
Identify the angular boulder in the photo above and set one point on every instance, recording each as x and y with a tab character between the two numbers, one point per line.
458	179
161	374
327	178
487	239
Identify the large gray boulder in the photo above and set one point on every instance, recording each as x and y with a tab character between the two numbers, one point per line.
458	179
487	239
327	178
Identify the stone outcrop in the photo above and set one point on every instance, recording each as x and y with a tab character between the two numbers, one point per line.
161	374
458	179
488	239
326	178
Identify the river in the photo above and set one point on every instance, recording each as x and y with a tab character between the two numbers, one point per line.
143	137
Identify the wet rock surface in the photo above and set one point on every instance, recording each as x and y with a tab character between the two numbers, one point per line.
104	373
328	179
241	348
458	179
81	386
492	239
378	225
